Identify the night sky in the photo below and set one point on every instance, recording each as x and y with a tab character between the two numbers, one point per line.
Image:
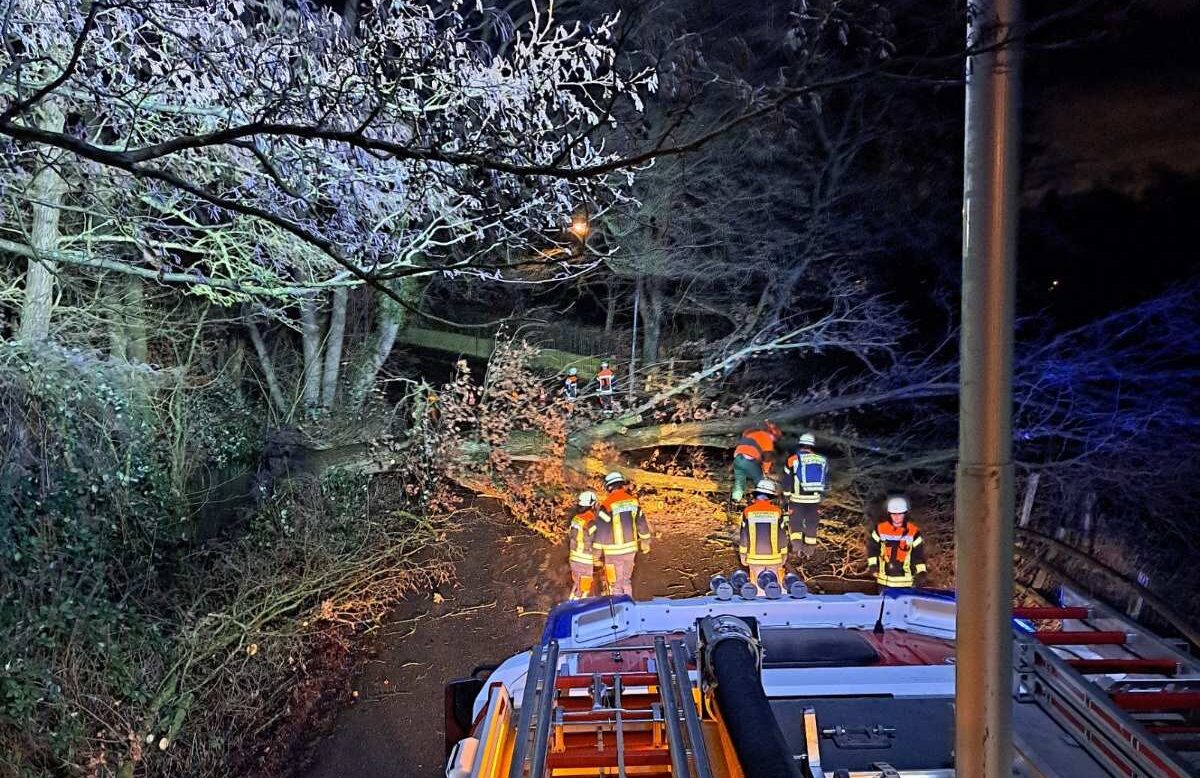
1112	161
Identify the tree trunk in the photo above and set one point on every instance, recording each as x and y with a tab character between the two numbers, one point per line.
1031	487
310	332
350	17
278	401
135	320
333	348
610	309
127	332
652	308
391	318
45	192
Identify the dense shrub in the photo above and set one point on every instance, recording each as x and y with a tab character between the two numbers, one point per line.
130	647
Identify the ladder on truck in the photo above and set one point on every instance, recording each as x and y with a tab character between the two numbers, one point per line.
642	724
1127	697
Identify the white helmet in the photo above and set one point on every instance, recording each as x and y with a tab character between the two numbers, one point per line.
613	478
587	499
897	505
768	487
573	371
603	365
807	439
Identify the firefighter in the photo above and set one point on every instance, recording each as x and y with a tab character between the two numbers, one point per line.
804	483
619	532
605	382
763	534
895	548
579	540
570	387
753	456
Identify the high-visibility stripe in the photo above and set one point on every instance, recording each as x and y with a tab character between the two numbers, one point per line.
762	528
897	539
805	490
776	559
581	531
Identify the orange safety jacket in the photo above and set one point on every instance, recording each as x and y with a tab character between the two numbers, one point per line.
578	538
605	379
763	535
755	444
895	553
619	524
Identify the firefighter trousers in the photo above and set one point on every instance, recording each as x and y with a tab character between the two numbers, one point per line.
581	579
619	570
745	470
802	517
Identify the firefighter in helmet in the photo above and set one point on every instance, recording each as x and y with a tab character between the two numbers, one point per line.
804	482
895	548
570	387
763	534
619	532
753	456
579	541
605	384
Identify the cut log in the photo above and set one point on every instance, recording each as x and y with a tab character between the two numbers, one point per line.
482	348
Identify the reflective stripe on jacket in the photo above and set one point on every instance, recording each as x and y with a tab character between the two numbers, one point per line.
619	524
579	539
895	553
804	477
755	444
763	535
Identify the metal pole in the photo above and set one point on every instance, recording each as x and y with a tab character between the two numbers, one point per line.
532	676
666	693
690	717
984	491
541	734
637	296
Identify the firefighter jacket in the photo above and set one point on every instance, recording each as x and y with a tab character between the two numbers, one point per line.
895	553
571	387
578	538
763	535
605	379
804	477
619	525
756	444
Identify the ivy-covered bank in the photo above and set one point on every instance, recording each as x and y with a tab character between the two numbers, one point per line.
132	646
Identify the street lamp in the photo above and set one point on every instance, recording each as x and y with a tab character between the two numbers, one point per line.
580	226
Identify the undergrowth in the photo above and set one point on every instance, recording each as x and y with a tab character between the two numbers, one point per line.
131	648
